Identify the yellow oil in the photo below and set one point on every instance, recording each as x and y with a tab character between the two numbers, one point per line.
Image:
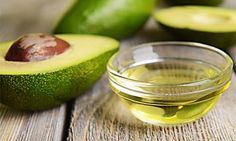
169	72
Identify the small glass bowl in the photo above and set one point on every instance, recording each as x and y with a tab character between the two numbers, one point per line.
169	83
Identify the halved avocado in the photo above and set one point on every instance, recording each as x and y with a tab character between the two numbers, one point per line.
114	18
195	2
213	26
48	83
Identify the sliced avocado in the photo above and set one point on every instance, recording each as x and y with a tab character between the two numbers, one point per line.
48	83
213	26
114	18
195	2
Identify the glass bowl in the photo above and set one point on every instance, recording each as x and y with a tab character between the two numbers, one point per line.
170	83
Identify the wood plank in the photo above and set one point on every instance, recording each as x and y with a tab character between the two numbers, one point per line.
229	4
232	52
32	126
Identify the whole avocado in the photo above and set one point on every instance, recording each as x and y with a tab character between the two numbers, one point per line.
114	18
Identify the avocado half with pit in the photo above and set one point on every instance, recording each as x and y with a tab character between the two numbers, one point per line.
48	83
195	2
209	25
114	18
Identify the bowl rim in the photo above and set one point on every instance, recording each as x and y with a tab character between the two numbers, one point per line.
228	66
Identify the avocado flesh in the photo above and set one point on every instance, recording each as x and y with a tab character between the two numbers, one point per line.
213	26
45	84
195	2
114	18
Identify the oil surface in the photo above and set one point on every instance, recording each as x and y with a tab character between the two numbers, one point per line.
169	72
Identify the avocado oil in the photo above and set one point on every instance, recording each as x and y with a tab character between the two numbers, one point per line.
176	78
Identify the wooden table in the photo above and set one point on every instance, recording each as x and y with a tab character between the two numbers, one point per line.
98	115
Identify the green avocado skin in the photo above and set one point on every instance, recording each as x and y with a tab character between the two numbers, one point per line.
47	90
114	18
195	2
217	39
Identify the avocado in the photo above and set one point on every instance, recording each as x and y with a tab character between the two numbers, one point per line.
48	83
114	18
195	2
209	25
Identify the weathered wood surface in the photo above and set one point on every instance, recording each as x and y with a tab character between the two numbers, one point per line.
232	52
34	126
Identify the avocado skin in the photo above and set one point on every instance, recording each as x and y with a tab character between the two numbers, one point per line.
195	2
47	90
217	39
114	18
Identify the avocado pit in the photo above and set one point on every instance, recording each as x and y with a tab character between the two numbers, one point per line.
36	47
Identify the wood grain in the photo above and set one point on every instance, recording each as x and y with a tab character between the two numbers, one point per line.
35	126
232	52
